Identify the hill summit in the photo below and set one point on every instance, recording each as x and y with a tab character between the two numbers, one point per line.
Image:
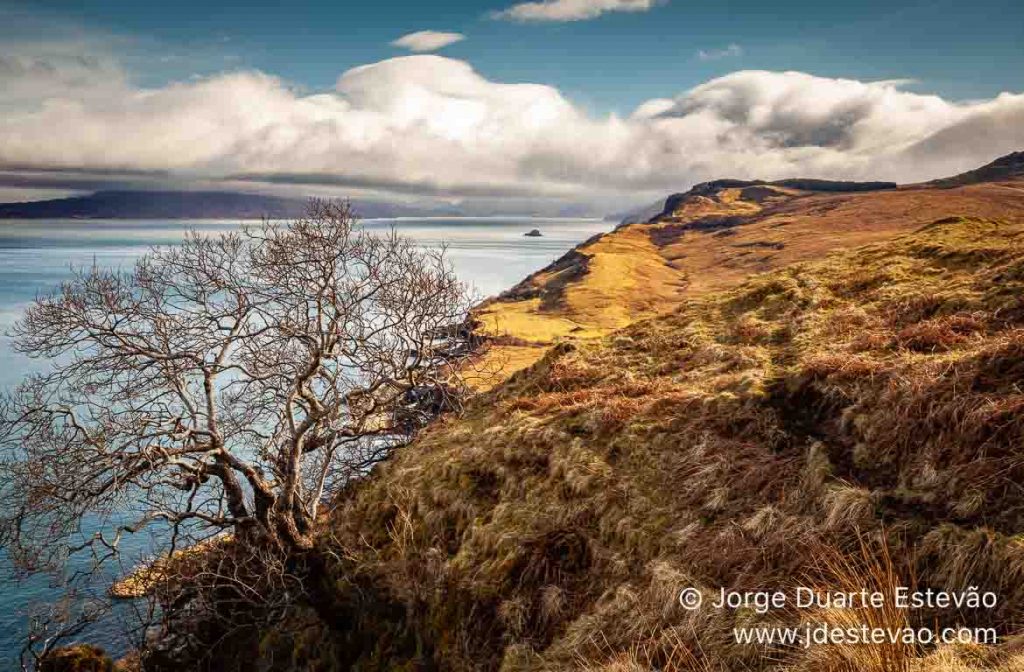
1009	167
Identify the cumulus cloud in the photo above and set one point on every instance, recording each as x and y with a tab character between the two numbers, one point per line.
719	54
570	10
426	124
427	40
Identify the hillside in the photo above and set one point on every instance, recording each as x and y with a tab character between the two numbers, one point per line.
764	388
1006	168
716	235
794	429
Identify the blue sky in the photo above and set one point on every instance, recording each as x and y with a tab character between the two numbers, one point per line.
958	49
629	100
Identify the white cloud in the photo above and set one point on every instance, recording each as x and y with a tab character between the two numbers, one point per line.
431	125
427	40
718	54
571	10
653	108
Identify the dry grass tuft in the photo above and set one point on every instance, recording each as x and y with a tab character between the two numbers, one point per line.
869	567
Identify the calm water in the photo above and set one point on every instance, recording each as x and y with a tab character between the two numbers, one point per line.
489	254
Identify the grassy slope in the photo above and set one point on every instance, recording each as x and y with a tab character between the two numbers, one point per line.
735	395
803	426
711	243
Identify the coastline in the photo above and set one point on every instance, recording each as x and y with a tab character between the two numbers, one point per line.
142	580
490	257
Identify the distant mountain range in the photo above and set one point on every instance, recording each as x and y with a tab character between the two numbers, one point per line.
190	205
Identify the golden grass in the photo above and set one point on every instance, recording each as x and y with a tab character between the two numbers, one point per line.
808	226
874	393
498	362
525	321
626	280
641	271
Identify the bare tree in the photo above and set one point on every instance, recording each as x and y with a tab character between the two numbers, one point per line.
229	383
55	624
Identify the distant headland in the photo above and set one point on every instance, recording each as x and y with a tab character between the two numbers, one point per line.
145	204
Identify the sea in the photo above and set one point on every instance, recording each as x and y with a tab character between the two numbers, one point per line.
488	254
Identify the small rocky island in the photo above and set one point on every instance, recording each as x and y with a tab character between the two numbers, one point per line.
534	233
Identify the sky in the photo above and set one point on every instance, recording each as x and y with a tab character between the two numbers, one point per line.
497	104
